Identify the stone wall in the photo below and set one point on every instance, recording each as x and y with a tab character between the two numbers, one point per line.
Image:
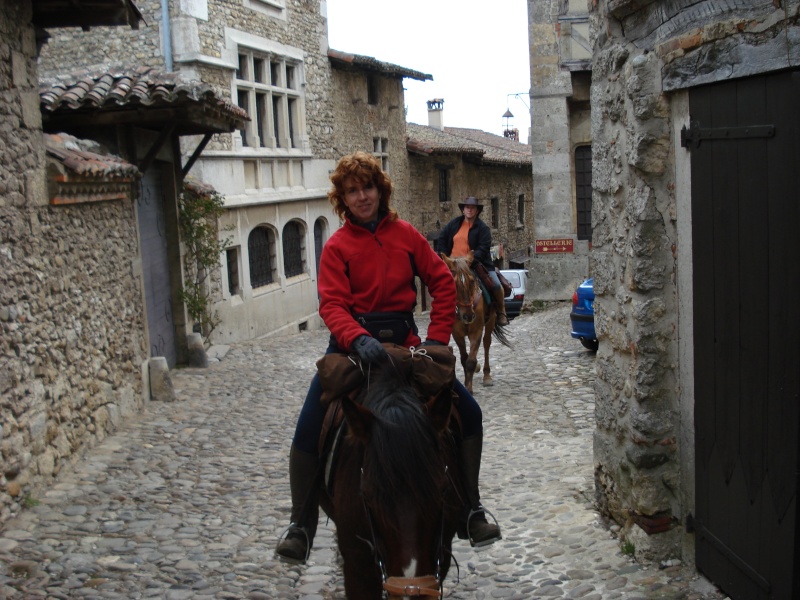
356	123
643	444
483	182
70	308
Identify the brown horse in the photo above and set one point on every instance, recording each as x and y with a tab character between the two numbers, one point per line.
474	320
393	493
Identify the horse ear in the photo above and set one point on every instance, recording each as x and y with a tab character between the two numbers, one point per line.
359	419
439	407
470	257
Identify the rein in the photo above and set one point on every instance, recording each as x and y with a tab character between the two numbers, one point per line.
397	588
465	284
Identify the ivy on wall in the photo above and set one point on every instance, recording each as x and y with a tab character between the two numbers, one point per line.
199	222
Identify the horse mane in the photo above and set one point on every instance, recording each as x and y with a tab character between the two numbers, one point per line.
403	463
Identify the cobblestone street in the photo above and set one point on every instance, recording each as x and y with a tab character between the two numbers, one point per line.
186	501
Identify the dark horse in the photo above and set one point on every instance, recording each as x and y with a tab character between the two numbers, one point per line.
475	320
394	493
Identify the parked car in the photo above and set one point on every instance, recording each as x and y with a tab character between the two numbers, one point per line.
518	278
582	315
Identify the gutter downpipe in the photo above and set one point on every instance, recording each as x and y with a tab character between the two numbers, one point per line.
166	34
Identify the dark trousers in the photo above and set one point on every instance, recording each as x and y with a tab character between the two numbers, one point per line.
309	424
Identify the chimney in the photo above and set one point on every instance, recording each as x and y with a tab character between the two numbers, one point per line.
436	113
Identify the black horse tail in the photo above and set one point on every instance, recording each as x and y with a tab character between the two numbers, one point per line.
500	333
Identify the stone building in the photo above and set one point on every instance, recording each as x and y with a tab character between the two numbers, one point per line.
308	104
560	139
447	164
695	148
71	311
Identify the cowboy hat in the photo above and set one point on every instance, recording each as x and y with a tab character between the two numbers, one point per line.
471	201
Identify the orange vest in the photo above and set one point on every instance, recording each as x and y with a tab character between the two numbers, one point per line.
460	241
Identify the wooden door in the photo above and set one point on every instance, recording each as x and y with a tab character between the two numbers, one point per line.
744	141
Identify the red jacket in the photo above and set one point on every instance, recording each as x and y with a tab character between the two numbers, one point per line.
362	272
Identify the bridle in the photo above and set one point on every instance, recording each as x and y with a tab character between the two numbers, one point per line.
468	295
397	588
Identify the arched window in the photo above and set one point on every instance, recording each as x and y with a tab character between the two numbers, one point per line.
294	248
261	250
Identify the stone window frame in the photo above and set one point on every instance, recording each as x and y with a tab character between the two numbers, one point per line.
380	149
271	8
268	81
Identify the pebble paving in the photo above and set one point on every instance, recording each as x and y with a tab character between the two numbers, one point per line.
187	499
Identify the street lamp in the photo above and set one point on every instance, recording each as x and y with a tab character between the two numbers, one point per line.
508	132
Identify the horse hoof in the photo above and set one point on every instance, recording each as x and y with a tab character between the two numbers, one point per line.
488	382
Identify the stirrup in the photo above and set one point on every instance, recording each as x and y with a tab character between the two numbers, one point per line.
294	528
487	541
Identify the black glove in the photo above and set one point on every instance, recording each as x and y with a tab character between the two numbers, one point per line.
369	350
430	342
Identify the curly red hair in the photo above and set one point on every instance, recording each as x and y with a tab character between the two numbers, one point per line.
364	168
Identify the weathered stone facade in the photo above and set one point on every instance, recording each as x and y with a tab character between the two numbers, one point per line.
560	63
505	183
641	256
273	181
70	308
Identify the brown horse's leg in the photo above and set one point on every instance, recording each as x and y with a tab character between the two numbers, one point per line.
487	342
474	345
462	350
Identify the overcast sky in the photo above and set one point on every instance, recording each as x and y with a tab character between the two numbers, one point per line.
477	52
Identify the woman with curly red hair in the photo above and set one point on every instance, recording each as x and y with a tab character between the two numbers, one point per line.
366	277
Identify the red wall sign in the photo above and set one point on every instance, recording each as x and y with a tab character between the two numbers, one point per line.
555	246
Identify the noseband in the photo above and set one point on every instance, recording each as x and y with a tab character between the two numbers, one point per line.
466	300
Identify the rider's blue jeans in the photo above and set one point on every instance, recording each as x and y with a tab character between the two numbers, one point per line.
309	424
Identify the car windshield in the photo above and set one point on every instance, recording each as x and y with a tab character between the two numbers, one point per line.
513	279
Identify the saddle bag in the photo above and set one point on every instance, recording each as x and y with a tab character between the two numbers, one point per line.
388	327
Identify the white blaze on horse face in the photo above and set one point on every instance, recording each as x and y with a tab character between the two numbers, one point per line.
411	569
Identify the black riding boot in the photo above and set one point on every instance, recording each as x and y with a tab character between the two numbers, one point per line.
303	481
499	300
479	531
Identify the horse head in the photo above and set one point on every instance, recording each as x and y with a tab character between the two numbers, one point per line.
468	292
404	509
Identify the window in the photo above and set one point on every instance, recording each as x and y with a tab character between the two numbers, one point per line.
495	213
521	210
261	250
372	90
232	260
583	191
272	8
267	87
294	249
444	185
380	149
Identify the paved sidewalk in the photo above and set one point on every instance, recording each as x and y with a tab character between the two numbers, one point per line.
186	500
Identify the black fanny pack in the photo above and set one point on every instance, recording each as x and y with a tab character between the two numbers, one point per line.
389	327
